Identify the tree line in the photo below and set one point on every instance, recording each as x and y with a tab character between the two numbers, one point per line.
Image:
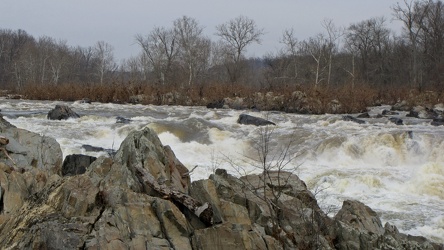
366	52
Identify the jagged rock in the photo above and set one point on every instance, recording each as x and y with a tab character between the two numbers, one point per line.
360	216
352	119
76	164
30	150
358	227
61	112
252	120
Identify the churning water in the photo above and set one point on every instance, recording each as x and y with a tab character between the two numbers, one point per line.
396	170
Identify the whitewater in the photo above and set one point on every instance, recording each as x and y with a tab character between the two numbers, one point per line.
397	170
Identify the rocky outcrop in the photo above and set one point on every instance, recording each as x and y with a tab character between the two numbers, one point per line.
112	206
61	112
252	120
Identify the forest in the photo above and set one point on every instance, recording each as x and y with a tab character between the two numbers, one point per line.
365	59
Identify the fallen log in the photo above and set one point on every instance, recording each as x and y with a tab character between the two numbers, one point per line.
203	211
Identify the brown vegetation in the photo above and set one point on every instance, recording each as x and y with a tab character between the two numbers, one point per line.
351	100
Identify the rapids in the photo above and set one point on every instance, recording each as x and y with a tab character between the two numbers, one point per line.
396	170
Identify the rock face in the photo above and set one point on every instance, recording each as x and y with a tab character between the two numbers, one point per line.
252	120
30	150
61	112
109	206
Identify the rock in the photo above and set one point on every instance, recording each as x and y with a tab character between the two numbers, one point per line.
110	207
352	119
76	164
363	115
62	112
401	106
439	110
360	217
422	113
396	120
358	227
123	120
89	148
216	104
231	236
252	120
234	103
30	150
388	112
437	122
84	101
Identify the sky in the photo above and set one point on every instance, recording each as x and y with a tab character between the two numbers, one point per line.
85	22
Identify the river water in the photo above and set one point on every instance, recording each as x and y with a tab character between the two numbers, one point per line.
396	170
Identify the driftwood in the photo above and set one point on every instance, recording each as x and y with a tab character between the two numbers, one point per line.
203	211
3	142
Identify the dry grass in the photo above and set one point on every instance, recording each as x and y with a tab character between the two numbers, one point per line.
352	100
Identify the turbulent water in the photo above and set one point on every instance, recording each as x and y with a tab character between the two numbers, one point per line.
396	170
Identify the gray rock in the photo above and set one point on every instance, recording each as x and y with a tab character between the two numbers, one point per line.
397	121
352	119
252	120
422	113
61	112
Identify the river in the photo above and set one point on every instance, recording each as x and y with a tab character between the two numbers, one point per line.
396	170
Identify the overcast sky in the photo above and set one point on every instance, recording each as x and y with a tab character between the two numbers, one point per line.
84	22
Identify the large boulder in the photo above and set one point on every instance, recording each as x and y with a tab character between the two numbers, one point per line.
252	120
62	112
30	150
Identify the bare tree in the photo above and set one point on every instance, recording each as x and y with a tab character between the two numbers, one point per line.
160	49
194	47
333	35
316	48
104	55
412	15
291	47
237	34
369	38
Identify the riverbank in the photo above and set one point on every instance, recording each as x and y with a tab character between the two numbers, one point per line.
292	99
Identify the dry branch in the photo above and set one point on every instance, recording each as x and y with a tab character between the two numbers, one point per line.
203	211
